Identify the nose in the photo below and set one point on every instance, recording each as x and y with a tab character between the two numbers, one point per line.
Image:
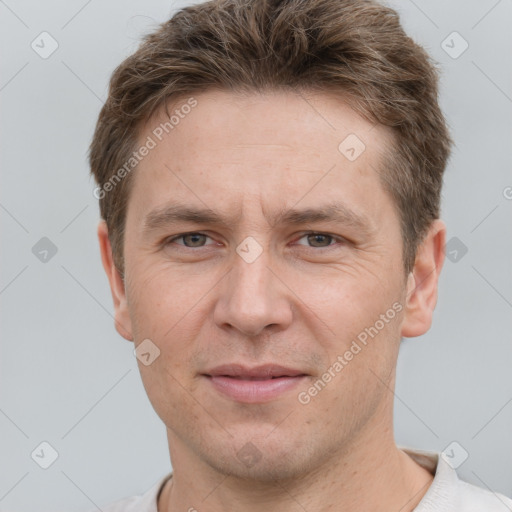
253	297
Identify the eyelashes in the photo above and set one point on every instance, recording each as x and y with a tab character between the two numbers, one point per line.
184	235
311	235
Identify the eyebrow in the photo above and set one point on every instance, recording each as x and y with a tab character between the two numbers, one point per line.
332	212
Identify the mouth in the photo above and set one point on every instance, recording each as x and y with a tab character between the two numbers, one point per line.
253	385
245	377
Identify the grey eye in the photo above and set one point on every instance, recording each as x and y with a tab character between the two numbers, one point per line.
318	239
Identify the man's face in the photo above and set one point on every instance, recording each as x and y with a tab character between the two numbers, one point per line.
259	289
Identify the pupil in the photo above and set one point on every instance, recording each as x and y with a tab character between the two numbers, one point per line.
194	236
318	238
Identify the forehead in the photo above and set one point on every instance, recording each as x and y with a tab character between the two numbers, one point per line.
277	120
324	112
218	149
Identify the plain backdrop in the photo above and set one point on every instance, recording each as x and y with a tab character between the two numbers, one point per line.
68	379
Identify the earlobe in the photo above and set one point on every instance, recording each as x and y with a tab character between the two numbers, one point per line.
422	283
121	314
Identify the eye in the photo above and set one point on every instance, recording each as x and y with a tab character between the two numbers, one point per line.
191	240
197	240
320	240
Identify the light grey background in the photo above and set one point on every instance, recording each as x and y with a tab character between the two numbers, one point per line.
67	377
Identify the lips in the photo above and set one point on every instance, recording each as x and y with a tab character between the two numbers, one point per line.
262	372
253	384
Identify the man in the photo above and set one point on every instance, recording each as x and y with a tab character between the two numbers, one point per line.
269	176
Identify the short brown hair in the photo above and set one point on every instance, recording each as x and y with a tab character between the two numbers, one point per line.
354	47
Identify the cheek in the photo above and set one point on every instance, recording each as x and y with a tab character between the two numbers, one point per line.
167	391
161	298
162	313
339	304
166	311
359	365
358	321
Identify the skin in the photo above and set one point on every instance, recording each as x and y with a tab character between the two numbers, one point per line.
301	303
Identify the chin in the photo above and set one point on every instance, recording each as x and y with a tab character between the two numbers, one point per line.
268	469
260	458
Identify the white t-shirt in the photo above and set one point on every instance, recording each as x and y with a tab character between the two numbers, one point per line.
447	493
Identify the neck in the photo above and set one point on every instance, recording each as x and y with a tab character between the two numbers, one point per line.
372	475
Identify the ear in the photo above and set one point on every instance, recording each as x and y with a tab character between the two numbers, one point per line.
423	280
121	316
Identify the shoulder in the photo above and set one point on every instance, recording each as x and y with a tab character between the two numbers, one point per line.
125	505
147	502
475	499
449	493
